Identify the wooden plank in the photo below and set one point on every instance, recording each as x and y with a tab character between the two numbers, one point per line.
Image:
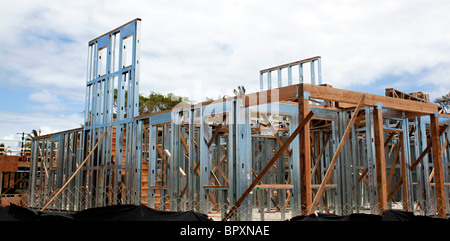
437	163
274	186
391	173
186	148
305	152
380	162
214	135
213	201
444	146
220	171
329	173
348	96
326	186
269	165
395	189
363	174
160	152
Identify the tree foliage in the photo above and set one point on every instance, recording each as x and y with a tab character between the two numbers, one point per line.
444	102
156	102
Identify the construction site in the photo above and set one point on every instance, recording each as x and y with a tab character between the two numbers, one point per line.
297	147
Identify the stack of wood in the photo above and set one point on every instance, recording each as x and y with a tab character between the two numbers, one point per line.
417	96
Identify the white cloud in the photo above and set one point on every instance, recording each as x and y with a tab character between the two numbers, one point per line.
224	44
44	96
208	48
26	122
439	79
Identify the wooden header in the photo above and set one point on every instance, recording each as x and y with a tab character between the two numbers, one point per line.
348	96
338	95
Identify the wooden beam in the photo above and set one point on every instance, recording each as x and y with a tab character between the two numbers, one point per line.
363	176
391	172
214	135
269	165
186	148
348	96
305	152
220	171
380	162
395	189
163	157
437	162
329	173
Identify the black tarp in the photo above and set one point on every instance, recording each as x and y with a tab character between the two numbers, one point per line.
136	213
144	213
110	213
388	215
16	213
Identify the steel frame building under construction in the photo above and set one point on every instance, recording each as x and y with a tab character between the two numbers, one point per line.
296	147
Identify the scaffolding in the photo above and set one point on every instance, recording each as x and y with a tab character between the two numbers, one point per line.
300	148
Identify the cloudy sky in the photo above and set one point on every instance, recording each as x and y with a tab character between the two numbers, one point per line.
207	48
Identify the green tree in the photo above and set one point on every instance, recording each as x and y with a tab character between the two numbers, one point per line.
156	102
444	102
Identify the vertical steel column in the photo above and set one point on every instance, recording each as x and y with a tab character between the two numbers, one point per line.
137	156
313	74
175	160
295	166
355	169
191	161
371	174
243	159
204	161
231	148
426	163
279	77
319	68
35	157
407	151
152	172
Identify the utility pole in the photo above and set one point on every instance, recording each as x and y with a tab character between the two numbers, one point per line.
22	151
